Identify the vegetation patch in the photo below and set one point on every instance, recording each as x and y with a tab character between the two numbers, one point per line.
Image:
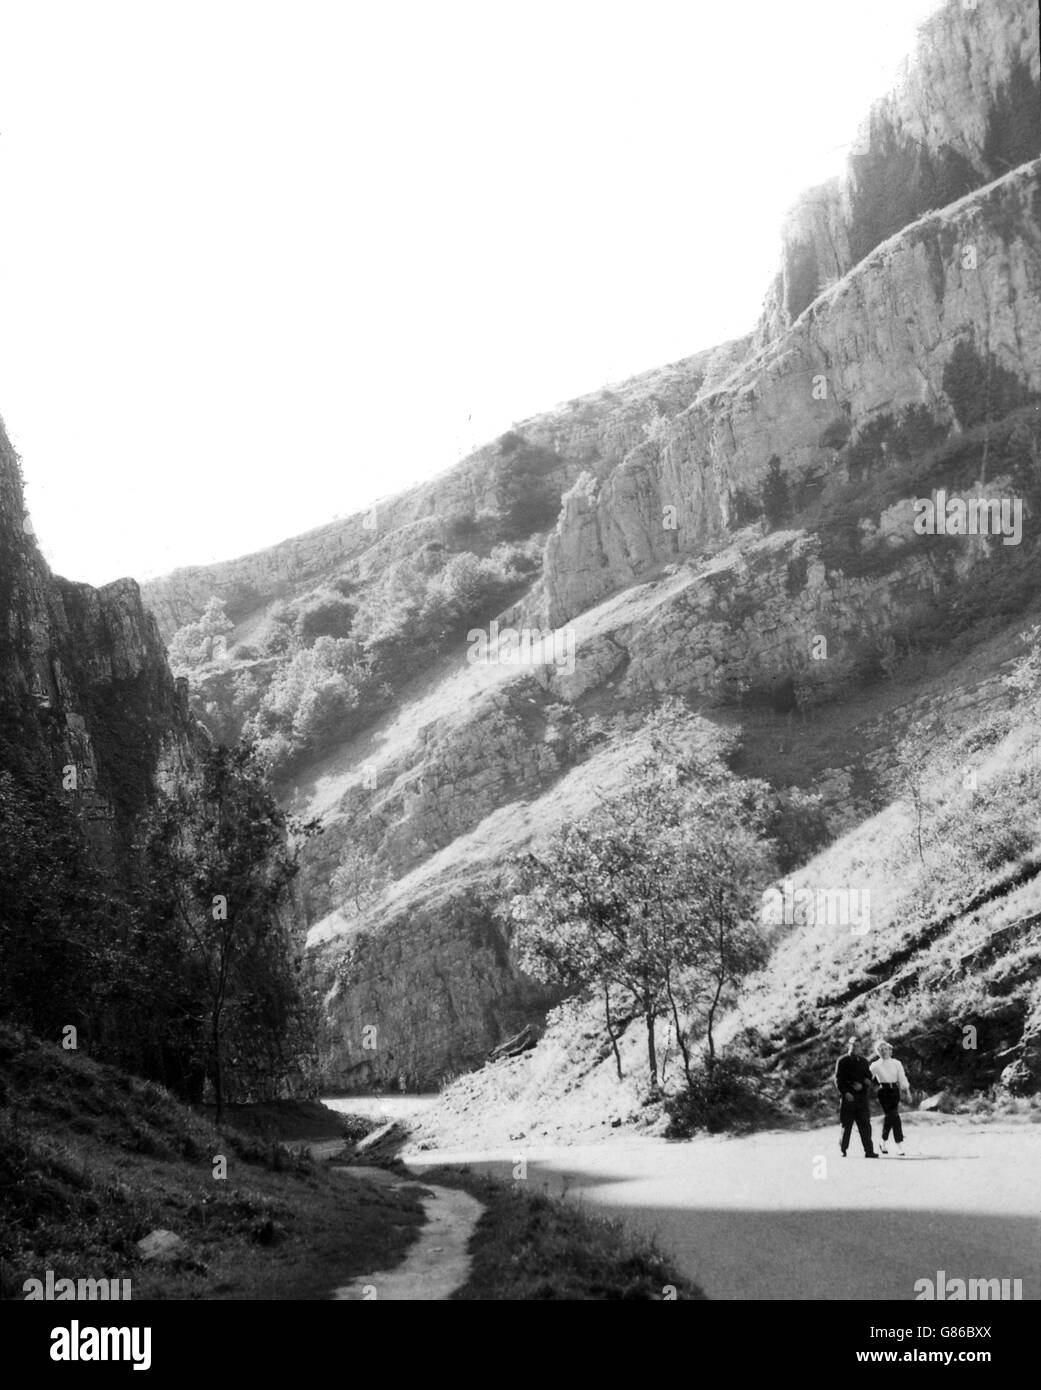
528	1246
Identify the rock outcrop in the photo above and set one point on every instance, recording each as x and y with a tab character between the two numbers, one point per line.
85	690
592	432
878	341
964	112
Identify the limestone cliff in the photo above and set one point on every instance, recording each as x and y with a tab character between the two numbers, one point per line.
84	685
735	529
592	432
963	113
877	341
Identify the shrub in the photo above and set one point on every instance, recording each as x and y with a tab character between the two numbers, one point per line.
871	445
776	501
528	486
978	388
204	640
729	1095
323	614
916	432
798	826
835	434
1012	134
803	278
744	510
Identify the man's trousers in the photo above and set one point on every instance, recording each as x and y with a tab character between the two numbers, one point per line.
856	1112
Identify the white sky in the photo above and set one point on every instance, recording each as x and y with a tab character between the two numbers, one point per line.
261	263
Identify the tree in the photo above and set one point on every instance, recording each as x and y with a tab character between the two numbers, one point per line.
222	858
1025	677
909	778
358	877
652	895
204	640
776	499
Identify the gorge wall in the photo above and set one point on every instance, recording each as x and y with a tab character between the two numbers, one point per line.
85	685
715	522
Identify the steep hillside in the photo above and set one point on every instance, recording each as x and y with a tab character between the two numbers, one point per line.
920	923
736	530
93	1161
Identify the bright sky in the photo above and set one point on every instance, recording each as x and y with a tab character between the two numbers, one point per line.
264	261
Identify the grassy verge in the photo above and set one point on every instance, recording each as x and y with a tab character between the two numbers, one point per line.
92	1160
531	1247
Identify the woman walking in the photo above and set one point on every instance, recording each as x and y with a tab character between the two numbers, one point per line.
892	1084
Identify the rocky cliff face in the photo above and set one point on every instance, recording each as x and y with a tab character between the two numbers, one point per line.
964	112
878	341
85	690
735	529
589	433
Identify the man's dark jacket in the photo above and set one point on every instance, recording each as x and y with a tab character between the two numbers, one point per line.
850	1069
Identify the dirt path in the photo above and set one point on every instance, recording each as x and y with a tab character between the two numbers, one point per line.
437	1263
782	1216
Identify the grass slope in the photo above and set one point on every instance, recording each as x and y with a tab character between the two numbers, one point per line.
92	1160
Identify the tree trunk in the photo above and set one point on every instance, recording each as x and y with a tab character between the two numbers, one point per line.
610	1031
681	1041
652	1055
711	1019
218	1072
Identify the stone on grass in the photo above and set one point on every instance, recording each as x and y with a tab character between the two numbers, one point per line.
161	1246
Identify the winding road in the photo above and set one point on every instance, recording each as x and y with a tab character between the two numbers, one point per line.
781	1215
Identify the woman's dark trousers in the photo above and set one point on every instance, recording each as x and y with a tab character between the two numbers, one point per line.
889	1099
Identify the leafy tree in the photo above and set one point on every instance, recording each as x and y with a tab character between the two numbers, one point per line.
979	388
910	778
528	488
358	878
651	895
220	872
776	501
204	640
324	614
59	918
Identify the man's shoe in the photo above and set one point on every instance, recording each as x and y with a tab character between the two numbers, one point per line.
871	1155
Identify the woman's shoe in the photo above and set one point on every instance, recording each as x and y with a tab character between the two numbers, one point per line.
883	1148
900	1152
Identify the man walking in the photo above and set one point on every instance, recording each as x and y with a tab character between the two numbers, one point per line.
892	1086
853	1077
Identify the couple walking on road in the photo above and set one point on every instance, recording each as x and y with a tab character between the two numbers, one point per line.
854	1076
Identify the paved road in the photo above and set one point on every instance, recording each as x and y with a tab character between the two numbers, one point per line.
783	1216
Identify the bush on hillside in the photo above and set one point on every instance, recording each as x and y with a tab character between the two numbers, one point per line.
728	1096
323	614
979	388
775	497
528	483
315	698
201	641
835	434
